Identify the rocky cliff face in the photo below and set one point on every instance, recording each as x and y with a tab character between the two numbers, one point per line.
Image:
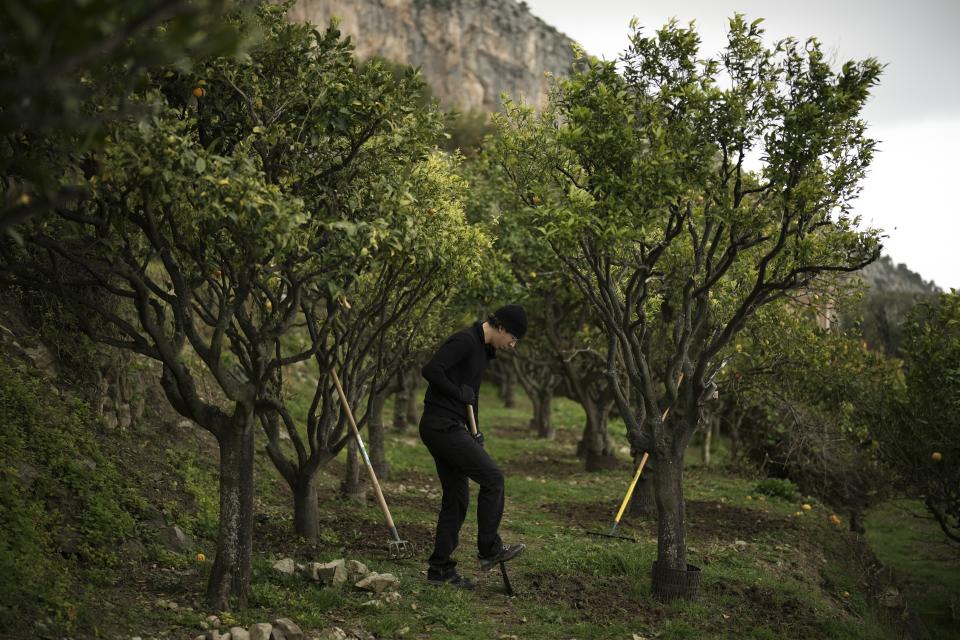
883	275
469	50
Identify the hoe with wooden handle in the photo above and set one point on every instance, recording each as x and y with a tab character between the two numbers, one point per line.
397	548
507	587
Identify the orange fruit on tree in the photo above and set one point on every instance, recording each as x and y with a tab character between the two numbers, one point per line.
198	92
936	456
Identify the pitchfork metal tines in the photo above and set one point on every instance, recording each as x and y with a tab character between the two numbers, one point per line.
400	548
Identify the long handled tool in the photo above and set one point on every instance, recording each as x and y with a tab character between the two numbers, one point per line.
633	484
397	548
507	587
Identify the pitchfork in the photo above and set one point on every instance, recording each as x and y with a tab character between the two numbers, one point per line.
397	548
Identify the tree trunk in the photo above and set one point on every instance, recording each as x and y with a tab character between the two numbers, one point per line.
413	400
643	504
735	436
541	422
405	402
857	521
707	441
671	525
375	435
400	422
596	446
507	392
306	513
230	576
353	486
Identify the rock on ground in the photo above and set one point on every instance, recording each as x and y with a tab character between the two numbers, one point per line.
261	631
287	565
287	628
356	570
333	633
379	582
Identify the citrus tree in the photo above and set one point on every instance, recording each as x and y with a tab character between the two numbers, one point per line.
637	175
66	69
922	443
356	143
807	400
563	353
178	239
232	229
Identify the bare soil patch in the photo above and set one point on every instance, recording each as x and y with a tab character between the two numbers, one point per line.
592	598
542	466
526	432
706	519
341	535
755	605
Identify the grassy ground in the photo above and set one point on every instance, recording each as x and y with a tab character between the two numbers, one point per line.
905	539
796	576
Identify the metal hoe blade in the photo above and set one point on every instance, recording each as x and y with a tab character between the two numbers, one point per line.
507	587
611	534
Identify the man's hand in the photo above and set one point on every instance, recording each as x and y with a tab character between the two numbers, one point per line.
479	438
467	396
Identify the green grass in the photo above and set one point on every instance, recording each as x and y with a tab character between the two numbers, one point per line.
574	585
904	538
788	582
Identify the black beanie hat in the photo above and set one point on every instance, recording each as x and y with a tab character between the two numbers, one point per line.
513	318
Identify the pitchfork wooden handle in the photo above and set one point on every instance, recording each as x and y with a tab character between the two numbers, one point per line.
473	420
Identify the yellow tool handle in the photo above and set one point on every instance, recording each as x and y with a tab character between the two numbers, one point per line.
636	476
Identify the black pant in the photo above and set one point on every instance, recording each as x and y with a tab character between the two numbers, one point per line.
458	458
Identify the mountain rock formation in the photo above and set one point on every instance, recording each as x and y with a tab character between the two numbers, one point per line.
470	51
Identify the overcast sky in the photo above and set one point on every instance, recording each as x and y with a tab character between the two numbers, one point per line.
914	112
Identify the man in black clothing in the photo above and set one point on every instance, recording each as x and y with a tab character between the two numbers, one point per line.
454	373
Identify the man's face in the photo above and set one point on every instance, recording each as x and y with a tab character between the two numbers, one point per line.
503	339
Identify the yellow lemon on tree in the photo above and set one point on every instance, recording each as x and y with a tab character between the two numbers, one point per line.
834	518
201	557
806	507
936	456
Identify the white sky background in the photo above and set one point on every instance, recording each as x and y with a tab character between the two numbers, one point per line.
914	112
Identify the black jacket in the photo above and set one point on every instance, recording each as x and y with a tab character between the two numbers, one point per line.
460	360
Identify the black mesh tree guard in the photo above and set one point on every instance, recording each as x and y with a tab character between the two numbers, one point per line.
672	584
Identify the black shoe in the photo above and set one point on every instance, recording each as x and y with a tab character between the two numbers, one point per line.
454	580
507	552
